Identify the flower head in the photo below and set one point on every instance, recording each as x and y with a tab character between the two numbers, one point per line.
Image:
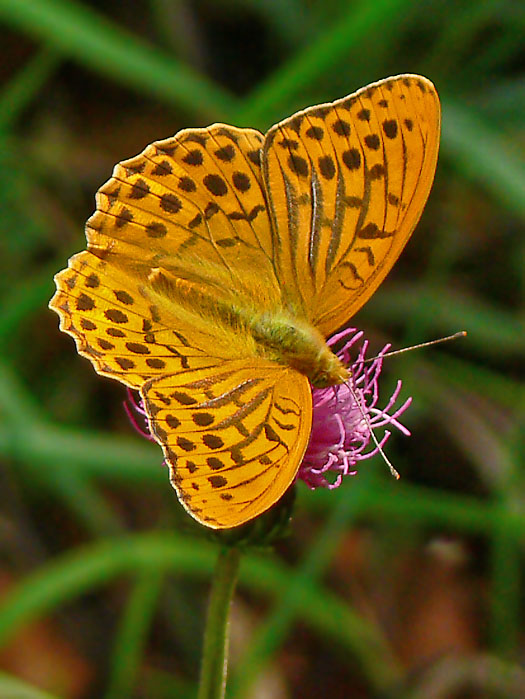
345	415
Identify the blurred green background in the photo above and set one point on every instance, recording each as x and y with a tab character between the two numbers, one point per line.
383	589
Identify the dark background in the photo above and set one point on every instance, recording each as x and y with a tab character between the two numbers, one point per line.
383	588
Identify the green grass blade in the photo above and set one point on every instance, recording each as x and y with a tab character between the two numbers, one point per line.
289	19
397	501
132	634
94	454
358	23
504	102
461	375
97	43
484	156
494	331
506	594
84	500
74	574
18	408
373	652
13	688
28	295
27	83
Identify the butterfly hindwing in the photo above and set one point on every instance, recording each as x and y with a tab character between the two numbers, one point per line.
233	436
126	329
346	184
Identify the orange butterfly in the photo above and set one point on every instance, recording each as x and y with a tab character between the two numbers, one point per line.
218	262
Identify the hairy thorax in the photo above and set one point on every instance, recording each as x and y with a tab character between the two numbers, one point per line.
298	344
274	334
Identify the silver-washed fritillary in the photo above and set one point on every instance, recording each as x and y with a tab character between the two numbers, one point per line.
220	259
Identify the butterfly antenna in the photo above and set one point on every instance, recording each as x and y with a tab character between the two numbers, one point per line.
455	336
372	434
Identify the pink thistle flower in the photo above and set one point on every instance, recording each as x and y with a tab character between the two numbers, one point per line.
135	411
341	434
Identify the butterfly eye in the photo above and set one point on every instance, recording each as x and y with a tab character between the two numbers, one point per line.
331	371
321	381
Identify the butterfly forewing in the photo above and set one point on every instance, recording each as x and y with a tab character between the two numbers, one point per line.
193	204
346	184
178	229
233	436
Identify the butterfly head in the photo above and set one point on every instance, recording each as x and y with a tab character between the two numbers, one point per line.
315	359
329	372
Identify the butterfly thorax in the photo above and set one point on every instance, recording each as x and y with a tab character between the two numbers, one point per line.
241	328
298	344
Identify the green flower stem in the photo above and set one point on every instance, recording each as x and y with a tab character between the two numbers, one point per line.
214	665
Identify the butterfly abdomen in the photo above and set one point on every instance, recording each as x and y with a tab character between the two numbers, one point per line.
298	344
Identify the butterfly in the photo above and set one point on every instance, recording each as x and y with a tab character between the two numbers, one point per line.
219	260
